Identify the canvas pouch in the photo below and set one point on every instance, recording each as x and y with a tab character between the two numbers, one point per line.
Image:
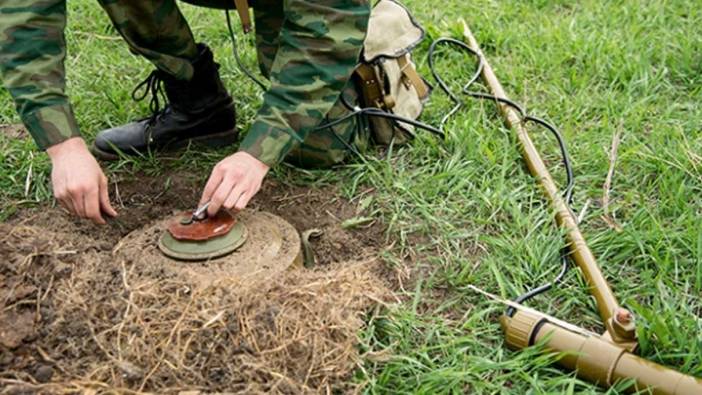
386	77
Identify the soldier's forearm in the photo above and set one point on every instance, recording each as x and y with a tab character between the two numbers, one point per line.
320	42
51	125
268	143
32	53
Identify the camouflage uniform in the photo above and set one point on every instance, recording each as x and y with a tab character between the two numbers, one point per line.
306	48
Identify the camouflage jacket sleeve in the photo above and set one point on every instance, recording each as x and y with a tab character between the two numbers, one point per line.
32	53
319	45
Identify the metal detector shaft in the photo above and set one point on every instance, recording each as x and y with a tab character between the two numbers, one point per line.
580	252
605	359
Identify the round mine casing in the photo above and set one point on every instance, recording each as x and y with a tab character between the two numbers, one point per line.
260	245
202	250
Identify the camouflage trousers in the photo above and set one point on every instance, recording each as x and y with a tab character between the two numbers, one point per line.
157	30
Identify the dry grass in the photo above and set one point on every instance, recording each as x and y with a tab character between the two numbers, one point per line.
104	322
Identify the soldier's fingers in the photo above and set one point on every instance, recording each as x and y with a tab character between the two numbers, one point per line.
91	204
243	200
66	204
248	195
211	186
105	205
76	199
64	200
234	196
76	208
220	196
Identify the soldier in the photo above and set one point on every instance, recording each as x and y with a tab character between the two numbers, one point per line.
306	48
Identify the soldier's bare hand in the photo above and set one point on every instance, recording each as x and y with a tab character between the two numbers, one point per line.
233	182
79	183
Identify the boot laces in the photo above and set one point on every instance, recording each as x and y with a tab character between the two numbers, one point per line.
153	86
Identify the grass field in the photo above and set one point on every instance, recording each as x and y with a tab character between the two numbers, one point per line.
464	211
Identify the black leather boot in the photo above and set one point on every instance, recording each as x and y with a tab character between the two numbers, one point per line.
198	111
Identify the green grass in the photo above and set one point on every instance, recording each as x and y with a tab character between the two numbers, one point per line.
594	68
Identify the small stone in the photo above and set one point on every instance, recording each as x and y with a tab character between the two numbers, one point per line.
44	373
16	328
63	269
47	314
105	246
6	357
130	371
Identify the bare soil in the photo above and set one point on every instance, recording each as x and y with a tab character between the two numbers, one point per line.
76	316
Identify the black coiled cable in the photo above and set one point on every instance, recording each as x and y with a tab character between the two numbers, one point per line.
235	51
458	104
356	111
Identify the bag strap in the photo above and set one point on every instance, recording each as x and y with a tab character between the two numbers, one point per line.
371	88
411	75
242	8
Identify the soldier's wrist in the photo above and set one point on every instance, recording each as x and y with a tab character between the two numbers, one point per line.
268	143
70	146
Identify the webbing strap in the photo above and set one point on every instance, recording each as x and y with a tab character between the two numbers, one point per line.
412	76
371	91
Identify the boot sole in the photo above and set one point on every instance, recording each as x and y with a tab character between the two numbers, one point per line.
217	140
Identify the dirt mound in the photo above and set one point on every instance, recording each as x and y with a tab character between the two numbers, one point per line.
272	245
77	316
